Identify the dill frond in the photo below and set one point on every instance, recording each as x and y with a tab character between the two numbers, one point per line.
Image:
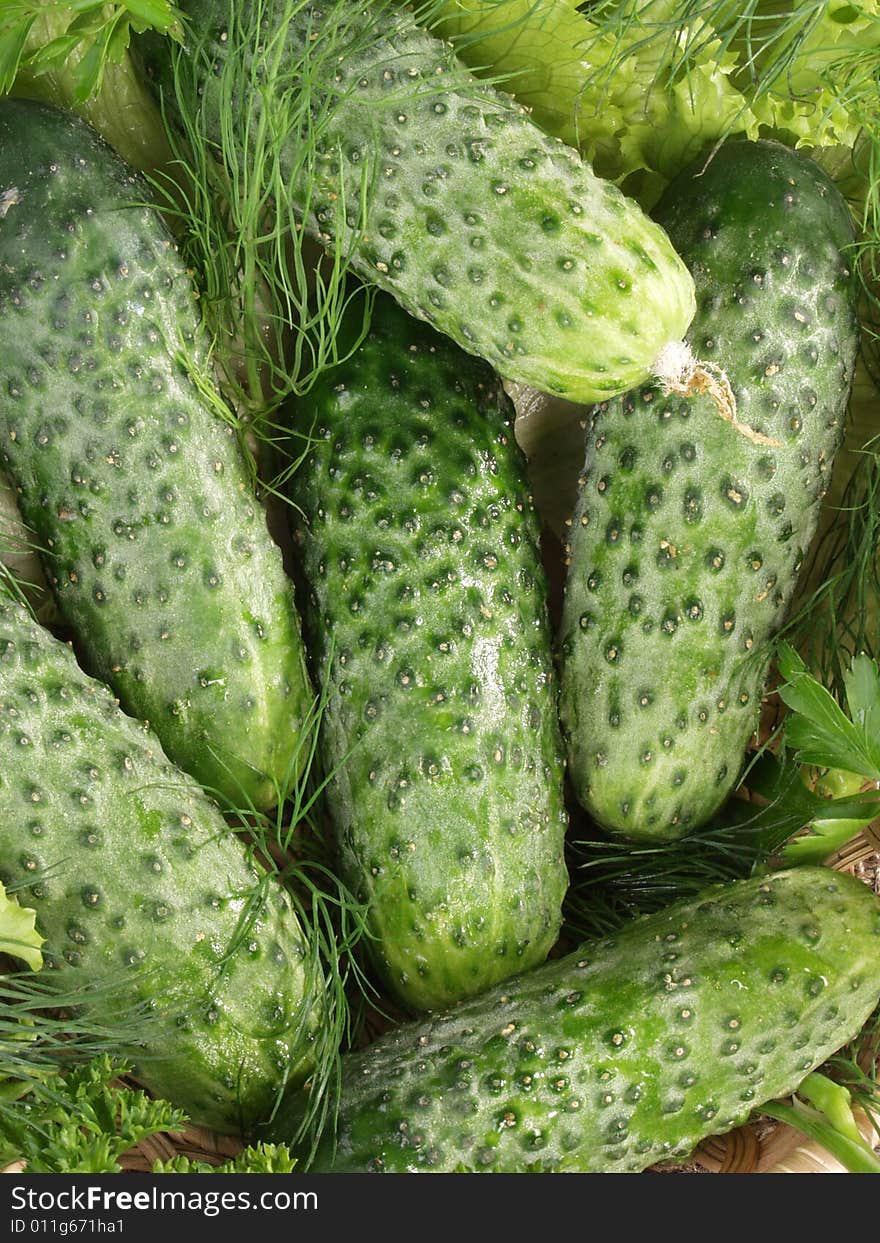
276	301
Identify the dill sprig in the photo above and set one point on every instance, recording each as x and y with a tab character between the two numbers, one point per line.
53	1020
290	847
21	574
838	619
273	300
276	300
11	581
614	881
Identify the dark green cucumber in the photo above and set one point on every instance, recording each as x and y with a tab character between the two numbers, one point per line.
475	220
688	536
156	547
144	895
629	1051
428	630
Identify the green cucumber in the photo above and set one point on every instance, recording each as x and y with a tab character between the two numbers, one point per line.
145	897
156	547
476	220
688	536
427	625
629	1051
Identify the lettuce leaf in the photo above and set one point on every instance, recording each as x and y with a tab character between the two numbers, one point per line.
641	86
825	90
18	934
533	50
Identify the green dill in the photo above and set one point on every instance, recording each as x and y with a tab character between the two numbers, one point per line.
21	575
272	300
240	192
50	1021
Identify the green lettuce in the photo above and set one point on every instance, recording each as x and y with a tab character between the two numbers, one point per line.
531	49
641	86
18	934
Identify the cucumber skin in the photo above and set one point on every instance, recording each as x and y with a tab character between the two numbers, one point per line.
584	1065
427	626
479	223
154	543
687	538
140	887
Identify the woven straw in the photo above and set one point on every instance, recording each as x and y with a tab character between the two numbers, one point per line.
195	1142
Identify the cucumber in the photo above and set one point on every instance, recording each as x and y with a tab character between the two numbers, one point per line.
627	1052
155	545
144	895
688	536
476	220
426	621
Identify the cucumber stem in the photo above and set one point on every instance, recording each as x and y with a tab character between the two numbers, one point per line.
834	1100
680	372
856	1158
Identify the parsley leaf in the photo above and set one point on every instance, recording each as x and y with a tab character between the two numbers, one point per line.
88	34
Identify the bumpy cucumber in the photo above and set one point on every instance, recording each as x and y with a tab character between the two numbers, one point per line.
156	547
143	894
428	629
630	1050
688	536
477	221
